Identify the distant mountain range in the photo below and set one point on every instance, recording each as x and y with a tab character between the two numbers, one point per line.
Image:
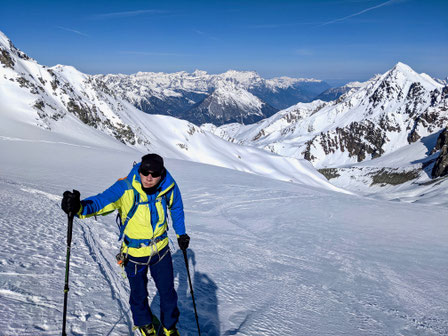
199	97
335	92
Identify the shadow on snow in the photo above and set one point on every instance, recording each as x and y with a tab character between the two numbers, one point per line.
205	293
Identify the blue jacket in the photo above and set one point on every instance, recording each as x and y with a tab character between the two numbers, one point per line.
149	222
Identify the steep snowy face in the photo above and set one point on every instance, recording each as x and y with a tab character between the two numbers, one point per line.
190	96
44	96
386	113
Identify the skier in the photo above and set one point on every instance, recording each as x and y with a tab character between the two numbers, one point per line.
142	200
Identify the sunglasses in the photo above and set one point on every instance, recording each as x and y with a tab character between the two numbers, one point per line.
147	172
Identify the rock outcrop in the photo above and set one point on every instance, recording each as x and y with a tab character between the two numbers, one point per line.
441	165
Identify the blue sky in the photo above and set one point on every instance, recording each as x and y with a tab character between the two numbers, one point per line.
332	40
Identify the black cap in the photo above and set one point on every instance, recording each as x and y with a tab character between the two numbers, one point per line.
152	162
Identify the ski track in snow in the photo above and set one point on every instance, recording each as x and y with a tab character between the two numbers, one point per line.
6	138
249	274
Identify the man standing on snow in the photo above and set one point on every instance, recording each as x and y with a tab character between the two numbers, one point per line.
142	200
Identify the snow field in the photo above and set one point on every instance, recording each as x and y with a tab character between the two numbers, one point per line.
267	257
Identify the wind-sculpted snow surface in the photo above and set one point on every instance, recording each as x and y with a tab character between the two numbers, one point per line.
267	257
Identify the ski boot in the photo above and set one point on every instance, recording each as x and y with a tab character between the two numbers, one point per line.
171	332
147	330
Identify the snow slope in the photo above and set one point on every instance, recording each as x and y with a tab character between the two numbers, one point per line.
403	175
78	108
267	257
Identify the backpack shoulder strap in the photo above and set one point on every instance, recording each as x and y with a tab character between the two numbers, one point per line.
131	211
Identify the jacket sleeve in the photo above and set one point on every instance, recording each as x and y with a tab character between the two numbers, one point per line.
177	211
104	203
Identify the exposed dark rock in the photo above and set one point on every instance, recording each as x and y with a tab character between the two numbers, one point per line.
6	60
393	176
413	136
307	152
435	97
416	89
358	139
384	91
259	135
442	140
329	173
39	105
441	165
84	113
43	81
122	132
23	82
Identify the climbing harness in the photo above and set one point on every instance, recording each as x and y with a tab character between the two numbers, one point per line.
123	257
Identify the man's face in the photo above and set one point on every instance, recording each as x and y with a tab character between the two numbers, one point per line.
149	181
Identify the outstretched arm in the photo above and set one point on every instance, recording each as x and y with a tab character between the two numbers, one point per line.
103	203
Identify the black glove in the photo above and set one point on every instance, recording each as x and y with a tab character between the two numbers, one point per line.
183	241
71	202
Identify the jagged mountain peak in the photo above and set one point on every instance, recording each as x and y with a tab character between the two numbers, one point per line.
402	74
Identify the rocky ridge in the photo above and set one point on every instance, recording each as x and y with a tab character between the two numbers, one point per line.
440	167
390	111
58	92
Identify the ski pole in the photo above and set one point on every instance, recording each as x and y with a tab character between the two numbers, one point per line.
67	266
191	290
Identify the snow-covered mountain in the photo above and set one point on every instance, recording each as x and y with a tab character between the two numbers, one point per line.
84	110
388	112
377	139
227	104
336	92
199	97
